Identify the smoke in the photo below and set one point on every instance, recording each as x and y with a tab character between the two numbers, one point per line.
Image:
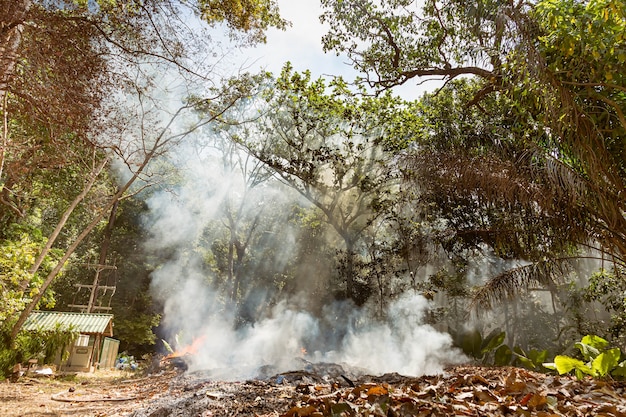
284	339
215	193
403	343
275	331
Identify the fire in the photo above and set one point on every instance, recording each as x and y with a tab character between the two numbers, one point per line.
303	352
189	349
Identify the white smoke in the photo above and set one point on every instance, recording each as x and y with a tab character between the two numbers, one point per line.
183	214
194	307
403	343
343	334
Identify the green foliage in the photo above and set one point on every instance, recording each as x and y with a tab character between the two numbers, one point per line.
503	355
40	345
528	155
598	360
531	359
600	306
609	289
586	37
17	256
397	40
253	17
45	345
492	350
136	331
335	147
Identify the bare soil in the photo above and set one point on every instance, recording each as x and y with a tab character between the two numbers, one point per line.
103	393
315	392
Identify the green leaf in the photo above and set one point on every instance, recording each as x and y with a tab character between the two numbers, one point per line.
620	370
503	356
565	364
167	346
589	352
605	362
519	351
595	341
525	362
492	341
549	365
537	356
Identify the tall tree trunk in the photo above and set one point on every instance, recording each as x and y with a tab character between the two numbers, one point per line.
349	271
62	221
232	243
12	16
5	132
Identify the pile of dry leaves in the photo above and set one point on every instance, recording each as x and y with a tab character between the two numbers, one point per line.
465	391
320	390
460	391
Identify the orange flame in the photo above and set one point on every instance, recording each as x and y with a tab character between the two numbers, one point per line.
189	349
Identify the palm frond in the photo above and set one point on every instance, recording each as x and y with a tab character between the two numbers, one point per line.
507	285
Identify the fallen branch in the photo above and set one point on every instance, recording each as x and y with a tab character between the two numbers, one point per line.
58	397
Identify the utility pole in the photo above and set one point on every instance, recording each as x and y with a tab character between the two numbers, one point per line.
90	307
99	267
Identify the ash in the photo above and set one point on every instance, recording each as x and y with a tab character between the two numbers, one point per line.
214	393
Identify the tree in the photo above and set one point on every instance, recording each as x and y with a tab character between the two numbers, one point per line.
530	154
394	42
115	33
138	158
583	45
330	147
246	205
48	100
248	17
58	61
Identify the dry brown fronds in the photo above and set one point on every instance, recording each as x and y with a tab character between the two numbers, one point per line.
505	286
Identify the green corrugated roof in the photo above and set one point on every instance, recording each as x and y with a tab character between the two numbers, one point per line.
88	323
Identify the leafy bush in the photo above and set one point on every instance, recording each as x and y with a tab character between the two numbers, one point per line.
598	360
492	350
42	345
600	307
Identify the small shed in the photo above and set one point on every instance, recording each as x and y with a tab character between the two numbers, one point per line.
94	347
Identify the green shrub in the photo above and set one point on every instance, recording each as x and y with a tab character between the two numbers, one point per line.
492	350
42	345
598	360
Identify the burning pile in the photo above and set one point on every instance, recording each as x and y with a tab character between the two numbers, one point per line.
178	358
191	349
460	391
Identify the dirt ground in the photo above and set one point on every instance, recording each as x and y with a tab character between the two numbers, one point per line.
317	392
103	393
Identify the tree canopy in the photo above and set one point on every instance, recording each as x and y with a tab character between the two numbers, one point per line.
67	69
503	178
557	64
333	148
